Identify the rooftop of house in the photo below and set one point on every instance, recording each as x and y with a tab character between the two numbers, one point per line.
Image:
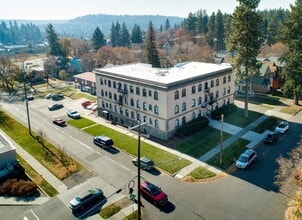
89	76
5	144
181	71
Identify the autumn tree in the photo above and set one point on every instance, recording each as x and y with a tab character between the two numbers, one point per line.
291	36
151	48
8	73
244	43
98	39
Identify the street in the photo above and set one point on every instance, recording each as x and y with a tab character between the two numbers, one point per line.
243	194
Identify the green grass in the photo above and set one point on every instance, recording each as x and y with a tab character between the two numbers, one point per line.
268	124
201	173
238	118
132	216
261	99
201	142
292	110
37	178
80	123
110	210
229	154
80	95
164	160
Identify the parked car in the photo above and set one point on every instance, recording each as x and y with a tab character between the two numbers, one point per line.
91	106
153	193
59	122
55	106
246	159
86	103
271	138
282	127
80	202
73	114
57	96
48	96
103	141
145	163
30	97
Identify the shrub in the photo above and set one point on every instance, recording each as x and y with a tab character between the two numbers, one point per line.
193	126
14	187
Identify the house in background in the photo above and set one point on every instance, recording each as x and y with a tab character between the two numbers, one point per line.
75	63
85	82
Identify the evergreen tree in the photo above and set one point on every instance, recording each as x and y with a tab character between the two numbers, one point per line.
98	39
244	42
125	36
136	35
291	36
211	35
219	32
190	25
151	50
167	24
53	41
114	36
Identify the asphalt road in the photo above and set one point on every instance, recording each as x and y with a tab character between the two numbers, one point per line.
244	194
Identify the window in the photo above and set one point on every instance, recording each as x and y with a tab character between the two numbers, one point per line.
199	113
144	92
121	111
115	108
206	85
199	100
150	107
145	106
150	93
224	80
183	106
110	95
150	121
102	92
176	95
106	93
114	84
199	87
193	89
212	83
137	91
131	102
131	89
217	95
155	95
119	86
176	109
138	116
156	123
114	97
224	92
106	105
105	81
217	82
132	114
229	78
176	123
125	87
183	93
183	120
138	104
101	81
156	111
126	100
193	115
110	106
145	118
193	103
109	83
103	104
229	90
127	113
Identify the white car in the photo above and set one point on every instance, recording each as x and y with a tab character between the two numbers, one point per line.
92	106
73	114
282	127
246	159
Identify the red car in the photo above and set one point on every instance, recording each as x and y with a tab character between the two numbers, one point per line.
59	122
86	103
153	193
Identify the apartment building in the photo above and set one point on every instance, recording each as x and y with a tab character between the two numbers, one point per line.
162	99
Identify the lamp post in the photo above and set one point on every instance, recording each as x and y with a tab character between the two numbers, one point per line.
26	100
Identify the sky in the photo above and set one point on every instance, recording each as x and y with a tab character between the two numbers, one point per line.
69	9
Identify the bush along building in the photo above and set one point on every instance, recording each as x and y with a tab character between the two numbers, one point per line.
162	99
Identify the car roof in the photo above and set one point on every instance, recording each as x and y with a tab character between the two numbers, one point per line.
103	137
248	152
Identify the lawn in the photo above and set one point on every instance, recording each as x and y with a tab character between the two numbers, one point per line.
237	118
162	159
268	124
201	142
229	154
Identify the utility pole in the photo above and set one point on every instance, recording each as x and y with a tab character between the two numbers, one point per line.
221	140
26	100
138	168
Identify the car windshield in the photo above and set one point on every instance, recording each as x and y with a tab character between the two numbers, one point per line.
242	158
282	125
269	136
155	190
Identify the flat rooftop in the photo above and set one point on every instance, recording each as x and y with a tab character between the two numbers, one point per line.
179	72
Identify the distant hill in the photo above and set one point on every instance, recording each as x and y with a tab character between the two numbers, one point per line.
84	26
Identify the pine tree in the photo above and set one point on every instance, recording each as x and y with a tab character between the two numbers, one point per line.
151	50
167	25
136	35
244	42
125	36
291	36
98	39
53	41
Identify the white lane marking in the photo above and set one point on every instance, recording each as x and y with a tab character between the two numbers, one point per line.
34	214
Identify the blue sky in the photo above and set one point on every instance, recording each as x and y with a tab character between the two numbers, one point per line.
69	9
